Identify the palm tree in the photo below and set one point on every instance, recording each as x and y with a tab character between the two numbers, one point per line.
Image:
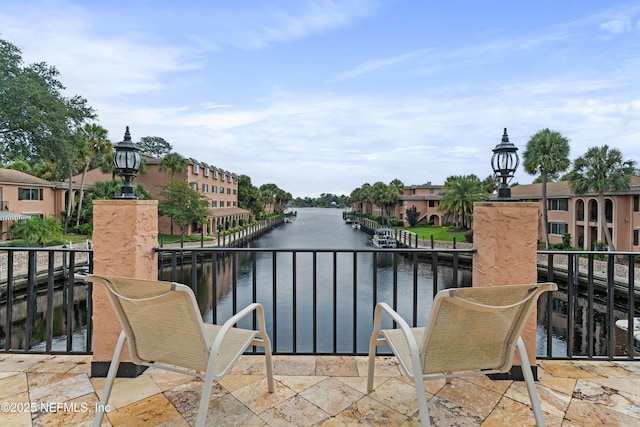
47	169
96	142
547	154
459	195
380	195
365	197
601	169
174	163
356	198
386	196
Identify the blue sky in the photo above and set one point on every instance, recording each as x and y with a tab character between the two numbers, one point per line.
321	96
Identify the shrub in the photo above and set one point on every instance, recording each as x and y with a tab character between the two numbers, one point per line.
468	236
412	216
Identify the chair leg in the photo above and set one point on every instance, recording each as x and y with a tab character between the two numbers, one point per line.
205	395
530	382
268	361
111	376
420	391
372	363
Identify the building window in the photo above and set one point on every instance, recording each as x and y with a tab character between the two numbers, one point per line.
235	191
636	203
228	190
234	204
206	171
214	203
432	203
557	228
215	174
228	203
214	188
558	204
194	185
221	190
196	169
636	237
205	188
30	194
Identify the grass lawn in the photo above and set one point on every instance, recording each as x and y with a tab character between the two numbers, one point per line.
438	233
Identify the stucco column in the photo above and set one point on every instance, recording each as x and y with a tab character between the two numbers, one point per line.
505	239
125	232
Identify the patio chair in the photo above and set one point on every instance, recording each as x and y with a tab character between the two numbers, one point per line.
470	331
162	326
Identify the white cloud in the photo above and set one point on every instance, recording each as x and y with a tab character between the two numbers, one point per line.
260	25
617	26
374	65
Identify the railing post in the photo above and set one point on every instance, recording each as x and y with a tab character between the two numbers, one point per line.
505	237
125	234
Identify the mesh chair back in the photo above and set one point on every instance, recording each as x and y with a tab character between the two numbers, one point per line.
474	329
161	320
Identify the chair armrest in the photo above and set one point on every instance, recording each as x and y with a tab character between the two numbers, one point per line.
404	326
215	348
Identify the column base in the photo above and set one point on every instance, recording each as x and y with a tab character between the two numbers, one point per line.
515	374
125	370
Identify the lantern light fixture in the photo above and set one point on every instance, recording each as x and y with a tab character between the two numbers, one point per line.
504	162
127	161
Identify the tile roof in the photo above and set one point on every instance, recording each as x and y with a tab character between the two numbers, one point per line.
11	176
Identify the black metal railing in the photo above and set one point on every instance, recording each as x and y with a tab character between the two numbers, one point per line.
319	301
598	299
44	307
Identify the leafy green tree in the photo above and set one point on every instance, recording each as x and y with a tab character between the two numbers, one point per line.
601	169
37	230
547	154
249	196
20	165
174	163
103	191
36	121
282	198
183	204
154	145
458	196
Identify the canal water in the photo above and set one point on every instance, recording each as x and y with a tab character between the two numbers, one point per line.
323	285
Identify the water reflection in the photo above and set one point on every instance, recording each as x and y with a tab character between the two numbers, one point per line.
59	325
317	302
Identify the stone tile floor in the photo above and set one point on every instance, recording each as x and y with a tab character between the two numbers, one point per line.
49	390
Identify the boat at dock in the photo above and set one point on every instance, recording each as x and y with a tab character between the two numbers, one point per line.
624	325
384	238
